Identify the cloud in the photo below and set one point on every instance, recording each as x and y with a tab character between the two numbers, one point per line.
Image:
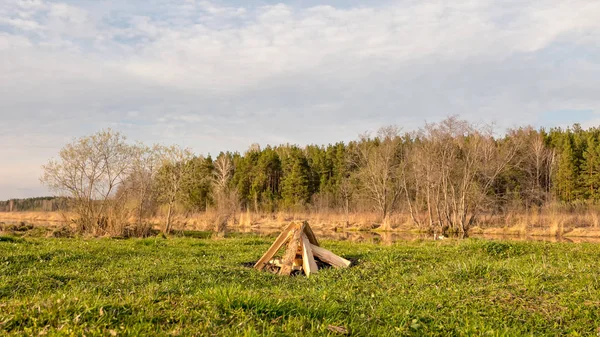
218	75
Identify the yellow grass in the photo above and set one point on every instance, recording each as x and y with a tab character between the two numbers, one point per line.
36	216
549	222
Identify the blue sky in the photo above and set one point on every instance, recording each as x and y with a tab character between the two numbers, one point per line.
221	75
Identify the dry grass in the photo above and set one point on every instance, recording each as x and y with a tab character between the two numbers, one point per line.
550	222
545	222
36	216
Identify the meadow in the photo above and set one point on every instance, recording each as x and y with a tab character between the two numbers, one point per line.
201	286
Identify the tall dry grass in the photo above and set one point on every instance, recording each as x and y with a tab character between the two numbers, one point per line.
36	216
550	221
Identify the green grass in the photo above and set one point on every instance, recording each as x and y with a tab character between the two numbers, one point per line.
190	286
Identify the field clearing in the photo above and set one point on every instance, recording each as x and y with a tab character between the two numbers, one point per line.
195	286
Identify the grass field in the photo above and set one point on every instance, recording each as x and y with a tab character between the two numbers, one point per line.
194	286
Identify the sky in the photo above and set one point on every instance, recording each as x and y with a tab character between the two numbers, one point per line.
221	75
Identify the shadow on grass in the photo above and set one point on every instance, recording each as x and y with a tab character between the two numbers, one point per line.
195	234
247	264
355	259
11	239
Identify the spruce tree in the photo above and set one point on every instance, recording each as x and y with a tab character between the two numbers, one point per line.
295	188
591	169
566	176
265	187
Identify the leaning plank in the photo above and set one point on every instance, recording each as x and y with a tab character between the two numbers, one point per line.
287	263
310	234
329	257
308	260
281	239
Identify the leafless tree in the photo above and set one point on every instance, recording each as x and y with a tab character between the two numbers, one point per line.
414	181
536	162
171	178
255	147
141	184
379	170
458	164
88	171
223	172
225	198
346	191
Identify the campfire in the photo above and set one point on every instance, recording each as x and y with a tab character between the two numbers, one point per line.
303	253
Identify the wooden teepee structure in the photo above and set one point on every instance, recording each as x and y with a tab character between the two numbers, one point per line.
302	249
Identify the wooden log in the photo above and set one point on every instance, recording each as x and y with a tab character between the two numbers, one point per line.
280	241
329	257
308	260
290	254
310	234
275	262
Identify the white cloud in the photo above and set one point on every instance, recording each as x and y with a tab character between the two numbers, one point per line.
218	75
8	41
27	25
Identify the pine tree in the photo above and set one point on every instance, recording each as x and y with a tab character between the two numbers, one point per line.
567	176
295	185
196	190
265	188
244	175
591	169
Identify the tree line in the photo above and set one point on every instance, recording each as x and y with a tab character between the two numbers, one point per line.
38	204
446	175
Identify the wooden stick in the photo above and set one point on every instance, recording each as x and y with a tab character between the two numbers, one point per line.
310	234
290	254
308	260
329	257
280	241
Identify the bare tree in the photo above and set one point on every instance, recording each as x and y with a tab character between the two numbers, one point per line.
223	172
225	198
141	184
379	170
171	178
536	161
414	181
88	172
346	191
458	164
